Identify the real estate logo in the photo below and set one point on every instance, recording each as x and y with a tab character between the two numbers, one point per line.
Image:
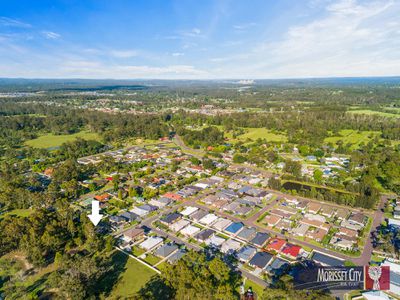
342	278
377	278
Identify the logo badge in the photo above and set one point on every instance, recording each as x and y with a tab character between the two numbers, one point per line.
377	278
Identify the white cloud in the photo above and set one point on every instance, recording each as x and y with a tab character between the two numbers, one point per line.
4	21
51	35
177	54
351	39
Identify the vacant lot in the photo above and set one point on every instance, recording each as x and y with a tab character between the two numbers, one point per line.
257	133
16	212
132	277
353	137
51	140
373	112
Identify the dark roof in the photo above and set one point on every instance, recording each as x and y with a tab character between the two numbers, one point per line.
261	259
234	227
205	234
171	218
260	238
166	250
327	260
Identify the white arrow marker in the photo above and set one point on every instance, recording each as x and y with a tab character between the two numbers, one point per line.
95	217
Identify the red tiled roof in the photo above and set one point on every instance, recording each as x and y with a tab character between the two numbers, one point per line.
172	196
291	250
276	244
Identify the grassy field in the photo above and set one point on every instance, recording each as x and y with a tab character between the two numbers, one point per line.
51	140
15	263
353	137
258	289
257	133
372	112
17	212
133	277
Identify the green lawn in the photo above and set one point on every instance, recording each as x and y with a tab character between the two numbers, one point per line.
262	133
258	289
151	259
353	137
133	277
372	112
17	212
51	140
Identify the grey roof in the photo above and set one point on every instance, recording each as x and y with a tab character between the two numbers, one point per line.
277	264
247	233
246	253
199	214
148	207
166	250
129	216
176	256
261	259
260	238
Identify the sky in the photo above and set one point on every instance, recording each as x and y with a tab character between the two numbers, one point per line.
207	39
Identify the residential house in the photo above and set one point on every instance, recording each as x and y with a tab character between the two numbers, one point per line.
316	234
222	223
134	234
261	260
341	243
160	202
178	225
173	196
188	211
170	218
204	235
272	220
151	243
277	267
246	253
300	230
328	211
247	233
176	256
129	216
280	213
215	241
275	244
260	239
284	224
190	230
243	210
357	218
166	250
198	215
234	228
313	207
230	246
292	251
208	219
342	213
